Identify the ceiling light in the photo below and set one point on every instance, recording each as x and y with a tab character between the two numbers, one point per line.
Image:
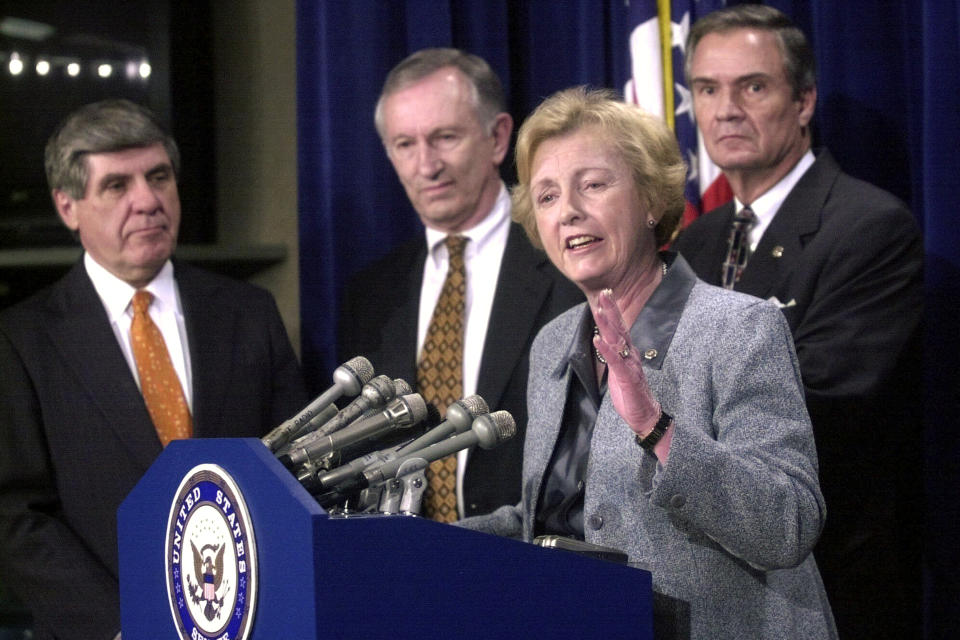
15	65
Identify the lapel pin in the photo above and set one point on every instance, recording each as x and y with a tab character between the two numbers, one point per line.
777	252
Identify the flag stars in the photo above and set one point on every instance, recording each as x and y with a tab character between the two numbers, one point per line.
686	101
679	31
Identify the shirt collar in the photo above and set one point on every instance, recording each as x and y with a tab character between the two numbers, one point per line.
767	205
478	234
116	294
653	330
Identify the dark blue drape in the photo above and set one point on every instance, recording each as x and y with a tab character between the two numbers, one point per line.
887	109
936	145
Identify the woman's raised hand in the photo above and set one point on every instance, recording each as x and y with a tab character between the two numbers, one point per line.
626	380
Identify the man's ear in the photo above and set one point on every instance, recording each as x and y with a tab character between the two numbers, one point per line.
501	130
66	208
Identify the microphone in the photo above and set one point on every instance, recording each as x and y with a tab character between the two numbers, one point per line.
327	414
389	440
402	387
348	379
401	413
460	416
487	431
375	394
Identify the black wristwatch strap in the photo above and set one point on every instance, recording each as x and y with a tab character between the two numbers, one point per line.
654	436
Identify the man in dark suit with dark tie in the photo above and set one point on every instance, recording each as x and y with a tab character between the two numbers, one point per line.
843	261
80	418
441	117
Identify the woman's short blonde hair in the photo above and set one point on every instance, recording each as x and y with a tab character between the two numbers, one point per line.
643	140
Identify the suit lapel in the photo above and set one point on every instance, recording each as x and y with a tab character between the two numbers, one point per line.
211	325
397	356
521	290
776	255
707	257
82	333
778	252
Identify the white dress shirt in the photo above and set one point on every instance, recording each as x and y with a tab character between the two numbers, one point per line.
482	257
766	206
165	311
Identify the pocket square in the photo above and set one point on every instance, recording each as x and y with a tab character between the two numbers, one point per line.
781	305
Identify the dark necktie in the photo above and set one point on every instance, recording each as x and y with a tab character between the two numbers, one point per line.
440	376
738	247
159	383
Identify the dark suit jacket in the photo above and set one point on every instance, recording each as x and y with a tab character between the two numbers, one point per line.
378	319
75	435
846	259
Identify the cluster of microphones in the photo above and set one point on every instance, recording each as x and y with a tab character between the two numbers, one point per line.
334	451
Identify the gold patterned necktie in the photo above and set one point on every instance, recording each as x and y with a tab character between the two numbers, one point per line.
159	383
738	247
440	376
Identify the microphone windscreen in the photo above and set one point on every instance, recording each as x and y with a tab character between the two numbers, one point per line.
417	406
495	428
361	367
475	404
401	387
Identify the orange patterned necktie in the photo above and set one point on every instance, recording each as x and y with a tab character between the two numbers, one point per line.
440	377
158	380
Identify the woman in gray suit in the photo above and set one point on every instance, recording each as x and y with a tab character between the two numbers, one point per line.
667	416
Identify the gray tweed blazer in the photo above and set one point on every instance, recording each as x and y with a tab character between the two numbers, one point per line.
727	525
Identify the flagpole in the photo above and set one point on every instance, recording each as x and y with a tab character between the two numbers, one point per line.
666	60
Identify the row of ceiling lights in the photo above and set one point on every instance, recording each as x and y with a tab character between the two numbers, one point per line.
17	65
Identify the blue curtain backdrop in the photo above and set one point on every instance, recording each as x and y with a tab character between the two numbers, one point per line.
889	77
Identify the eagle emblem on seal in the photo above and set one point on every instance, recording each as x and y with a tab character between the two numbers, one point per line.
208	569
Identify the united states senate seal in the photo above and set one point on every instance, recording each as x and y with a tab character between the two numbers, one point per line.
211	558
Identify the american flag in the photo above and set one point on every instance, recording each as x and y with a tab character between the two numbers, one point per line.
657	83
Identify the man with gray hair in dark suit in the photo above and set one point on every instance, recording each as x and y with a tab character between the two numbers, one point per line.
843	261
98	372
442	119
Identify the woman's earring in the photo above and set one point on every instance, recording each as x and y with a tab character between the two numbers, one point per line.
651	223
